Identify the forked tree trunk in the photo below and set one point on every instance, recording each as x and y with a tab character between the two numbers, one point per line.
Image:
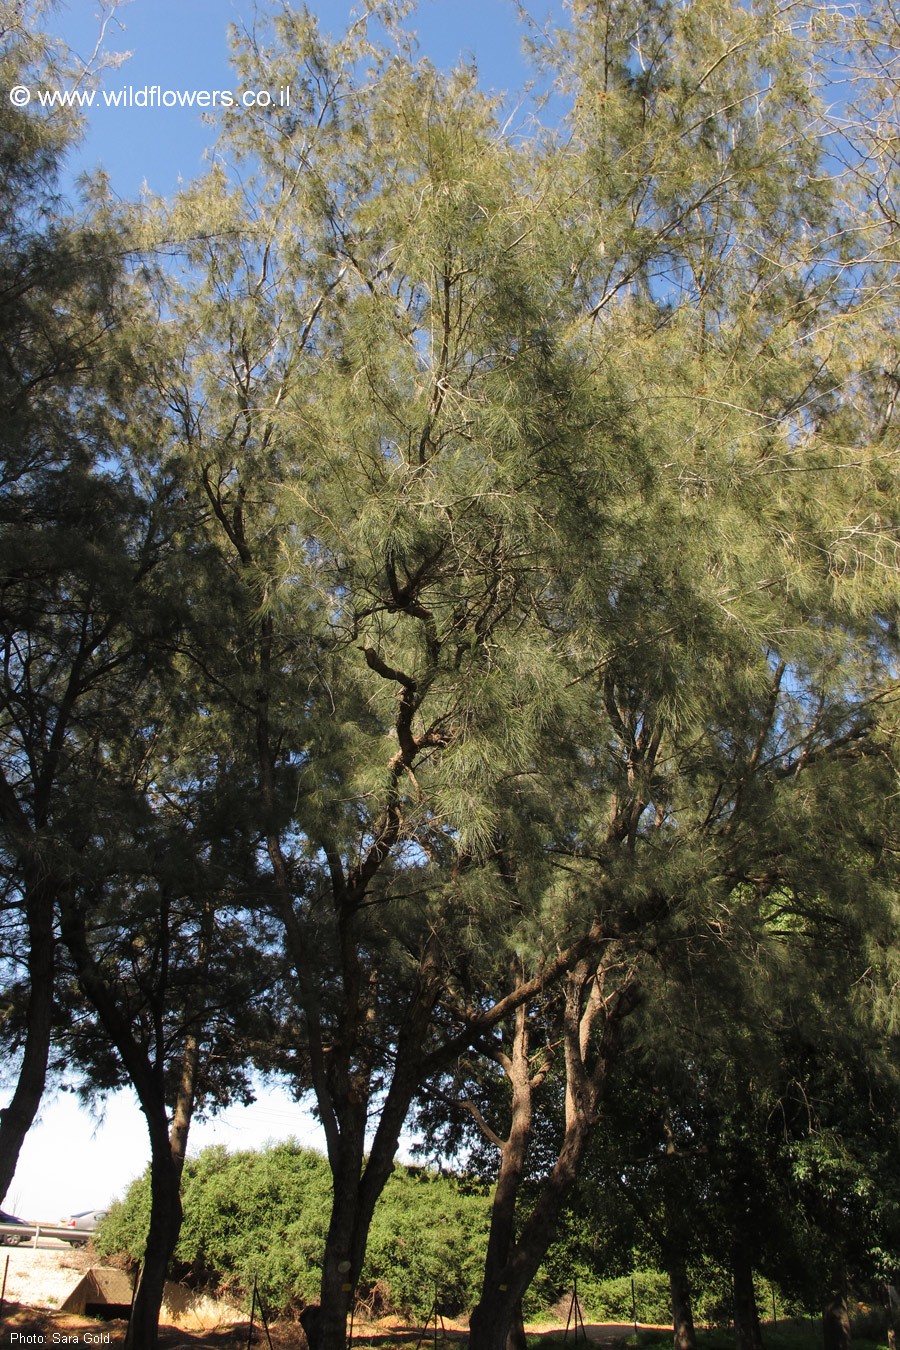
358	1180
587	1070
148	1081
493	1320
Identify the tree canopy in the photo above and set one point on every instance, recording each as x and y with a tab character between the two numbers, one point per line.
450	597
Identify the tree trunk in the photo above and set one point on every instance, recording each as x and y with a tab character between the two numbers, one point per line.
587	1071
17	1118
184	1101
836	1322
341	1262
148	1081
517	1340
186	1095
357	1180
165	1225
747	1330
493	1320
893	1302
682	1312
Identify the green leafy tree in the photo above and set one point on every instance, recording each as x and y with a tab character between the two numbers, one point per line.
731	640
112	831
358	345
79	541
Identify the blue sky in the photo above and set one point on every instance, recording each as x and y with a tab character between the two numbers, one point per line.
183	45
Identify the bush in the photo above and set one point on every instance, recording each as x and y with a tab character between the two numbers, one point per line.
610	1300
427	1239
264	1215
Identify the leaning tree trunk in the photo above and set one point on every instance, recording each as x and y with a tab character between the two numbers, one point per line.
17	1118
165	1225
492	1320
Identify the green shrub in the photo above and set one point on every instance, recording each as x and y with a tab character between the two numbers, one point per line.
428	1237
264	1216
611	1300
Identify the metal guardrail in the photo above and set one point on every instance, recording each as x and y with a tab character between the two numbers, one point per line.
31	1232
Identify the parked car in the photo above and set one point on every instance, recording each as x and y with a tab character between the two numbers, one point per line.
83	1224
13	1239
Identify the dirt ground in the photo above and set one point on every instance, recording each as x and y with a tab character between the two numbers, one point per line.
37	1281
56	1328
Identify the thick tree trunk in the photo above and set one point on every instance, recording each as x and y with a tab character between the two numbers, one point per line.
165	1225
836	1322
492	1321
747	1330
17	1118
517	1340
682	1312
341	1262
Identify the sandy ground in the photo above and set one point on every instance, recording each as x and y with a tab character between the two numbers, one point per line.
42	1276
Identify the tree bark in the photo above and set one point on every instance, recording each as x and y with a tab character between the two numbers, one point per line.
587	1071
747	1330
517	1340
162	1237
893	1302
186	1094
17	1118
184	1102
147	1079
685	1337
493	1320
836	1322
358	1180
